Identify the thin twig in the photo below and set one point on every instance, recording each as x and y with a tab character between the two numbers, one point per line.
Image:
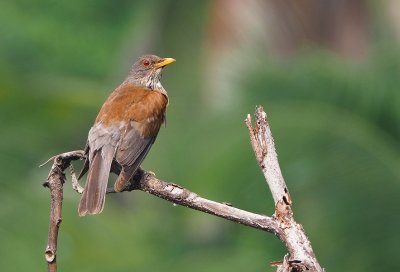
74	180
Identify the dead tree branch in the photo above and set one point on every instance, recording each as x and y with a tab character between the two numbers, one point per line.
54	182
281	224
301	255
147	182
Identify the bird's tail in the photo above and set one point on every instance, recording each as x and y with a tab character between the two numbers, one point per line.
92	200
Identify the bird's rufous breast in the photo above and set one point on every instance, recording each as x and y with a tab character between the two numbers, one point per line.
129	103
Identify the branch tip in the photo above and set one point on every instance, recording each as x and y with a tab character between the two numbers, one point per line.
46	162
49	255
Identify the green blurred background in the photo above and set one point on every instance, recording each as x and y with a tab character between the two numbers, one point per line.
326	72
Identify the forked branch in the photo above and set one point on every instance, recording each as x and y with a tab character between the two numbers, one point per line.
281	224
54	182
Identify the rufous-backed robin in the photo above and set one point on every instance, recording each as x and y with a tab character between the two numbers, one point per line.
125	129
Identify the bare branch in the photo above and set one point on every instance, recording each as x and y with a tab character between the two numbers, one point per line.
282	224
55	182
301	255
147	182
264	147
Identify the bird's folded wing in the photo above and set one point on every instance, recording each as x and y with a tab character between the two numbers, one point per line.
133	147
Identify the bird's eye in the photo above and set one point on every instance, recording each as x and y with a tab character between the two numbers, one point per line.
146	62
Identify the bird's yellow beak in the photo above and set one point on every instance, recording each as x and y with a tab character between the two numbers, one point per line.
164	62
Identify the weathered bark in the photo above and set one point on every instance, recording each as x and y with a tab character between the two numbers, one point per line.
54	182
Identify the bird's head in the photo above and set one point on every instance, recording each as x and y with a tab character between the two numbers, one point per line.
146	71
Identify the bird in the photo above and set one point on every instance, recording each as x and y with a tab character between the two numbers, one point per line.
124	131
